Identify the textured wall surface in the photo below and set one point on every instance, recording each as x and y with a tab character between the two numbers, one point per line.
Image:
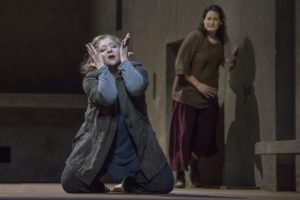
249	98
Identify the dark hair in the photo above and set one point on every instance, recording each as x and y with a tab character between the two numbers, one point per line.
221	33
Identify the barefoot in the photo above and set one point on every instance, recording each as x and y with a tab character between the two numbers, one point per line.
117	188
195	156
106	189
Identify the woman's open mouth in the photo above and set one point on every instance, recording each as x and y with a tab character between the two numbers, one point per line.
111	57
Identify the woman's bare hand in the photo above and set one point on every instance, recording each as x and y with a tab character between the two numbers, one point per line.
124	48
232	59
207	90
95	55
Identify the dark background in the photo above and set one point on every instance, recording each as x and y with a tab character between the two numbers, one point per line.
42	45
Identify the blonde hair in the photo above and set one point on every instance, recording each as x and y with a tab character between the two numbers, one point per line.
88	64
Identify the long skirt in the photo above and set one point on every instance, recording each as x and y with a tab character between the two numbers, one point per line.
192	130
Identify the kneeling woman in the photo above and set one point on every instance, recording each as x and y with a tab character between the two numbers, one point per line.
116	138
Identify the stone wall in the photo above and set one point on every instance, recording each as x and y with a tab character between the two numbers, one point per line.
247	93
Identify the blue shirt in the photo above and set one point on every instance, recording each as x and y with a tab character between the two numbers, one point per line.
122	161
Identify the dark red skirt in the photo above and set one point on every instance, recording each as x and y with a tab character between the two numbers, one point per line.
192	130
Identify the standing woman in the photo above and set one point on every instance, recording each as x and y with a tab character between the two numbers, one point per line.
195	101
116	139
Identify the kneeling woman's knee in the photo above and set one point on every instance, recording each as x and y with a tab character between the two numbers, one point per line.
67	181
169	185
67	186
168	181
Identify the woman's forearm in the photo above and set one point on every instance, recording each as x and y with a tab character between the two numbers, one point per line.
106	85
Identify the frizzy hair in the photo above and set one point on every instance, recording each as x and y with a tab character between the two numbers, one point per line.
88	65
221	33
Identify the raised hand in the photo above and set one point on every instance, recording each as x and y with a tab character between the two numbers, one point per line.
95	55
124	48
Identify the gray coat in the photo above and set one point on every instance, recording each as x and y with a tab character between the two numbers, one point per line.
94	139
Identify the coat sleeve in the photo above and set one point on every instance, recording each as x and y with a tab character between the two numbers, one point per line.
135	77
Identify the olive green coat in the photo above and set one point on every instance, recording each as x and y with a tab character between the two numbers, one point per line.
94	139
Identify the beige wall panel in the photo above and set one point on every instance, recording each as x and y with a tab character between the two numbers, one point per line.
250	91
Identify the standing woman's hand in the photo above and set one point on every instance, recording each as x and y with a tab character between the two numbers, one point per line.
206	90
231	61
95	55
124	48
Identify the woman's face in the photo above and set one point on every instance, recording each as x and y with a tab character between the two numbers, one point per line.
110	51
212	22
